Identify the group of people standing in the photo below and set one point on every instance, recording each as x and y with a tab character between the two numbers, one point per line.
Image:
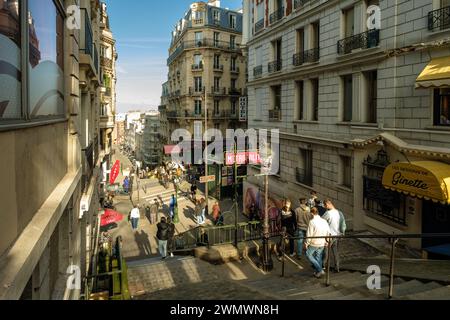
313	221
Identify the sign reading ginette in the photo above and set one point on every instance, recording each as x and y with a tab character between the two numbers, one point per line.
207	179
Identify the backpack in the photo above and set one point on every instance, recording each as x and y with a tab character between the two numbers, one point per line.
342	223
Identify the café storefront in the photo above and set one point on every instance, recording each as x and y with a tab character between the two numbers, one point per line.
404	188
430	182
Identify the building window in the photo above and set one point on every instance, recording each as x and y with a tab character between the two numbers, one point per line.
216	107
233	63
345	172
348	22
378	200
198	60
10	82
347	90
198	85
232	42
216	39
216	16
315	28
300	98
315	99
216	61
371	78
304	174
46	60
300	40
217	126
198	107
199	39
234	106
232	21
216	83
442	107
233	83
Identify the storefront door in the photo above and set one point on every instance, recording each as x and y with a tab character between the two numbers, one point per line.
436	219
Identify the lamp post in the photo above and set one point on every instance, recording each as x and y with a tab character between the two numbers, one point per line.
266	263
206	153
176	219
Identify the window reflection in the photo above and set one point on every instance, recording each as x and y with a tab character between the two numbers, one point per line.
10	67
46	58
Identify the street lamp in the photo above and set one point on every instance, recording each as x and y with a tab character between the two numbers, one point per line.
206	153
267	262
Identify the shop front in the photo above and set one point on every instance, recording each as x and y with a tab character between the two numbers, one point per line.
428	181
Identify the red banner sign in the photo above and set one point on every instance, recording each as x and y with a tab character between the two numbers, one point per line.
242	158
114	172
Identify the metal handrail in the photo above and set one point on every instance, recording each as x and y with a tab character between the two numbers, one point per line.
394	238
439	19
364	40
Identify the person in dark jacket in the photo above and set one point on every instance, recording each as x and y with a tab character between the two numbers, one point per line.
170	243
163	236
319	206
289	221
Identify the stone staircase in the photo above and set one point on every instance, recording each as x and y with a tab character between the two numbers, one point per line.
188	278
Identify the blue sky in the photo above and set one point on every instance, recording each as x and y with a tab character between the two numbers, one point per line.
142	29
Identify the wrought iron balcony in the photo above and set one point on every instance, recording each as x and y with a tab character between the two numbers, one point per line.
259	25
197	66
311	55
300	3
234	69
219	91
106	62
439	19
365	40
234	92
257	71
275	66
275	115
196	90
218	68
277	15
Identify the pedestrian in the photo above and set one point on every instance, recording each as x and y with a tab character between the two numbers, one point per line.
319	206
163	236
172	204
198	211
193	190
154	208
203	208
126	184
336	221
315	247
203	239
288	221
312	199
304	217
170	243
134	216
216	212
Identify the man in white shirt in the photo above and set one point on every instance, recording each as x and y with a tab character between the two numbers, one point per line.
333	217
134	217
317	227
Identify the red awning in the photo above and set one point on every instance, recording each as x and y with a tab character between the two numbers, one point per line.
168	150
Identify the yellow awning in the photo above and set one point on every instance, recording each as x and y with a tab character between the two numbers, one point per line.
436	74
429	180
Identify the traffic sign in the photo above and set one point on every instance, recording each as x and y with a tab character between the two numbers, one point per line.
207	179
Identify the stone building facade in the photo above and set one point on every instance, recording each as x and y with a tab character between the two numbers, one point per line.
341	80
49	134
206	63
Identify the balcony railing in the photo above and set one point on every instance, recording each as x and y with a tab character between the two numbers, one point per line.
106	62
365	40
87	45
198	21
234	92
303	176
219	90
275	66
96	59
311	55
259	25
218	68
439	19
204	43
277	15
257	71
196	90
234	69
275	115
300	3
197	66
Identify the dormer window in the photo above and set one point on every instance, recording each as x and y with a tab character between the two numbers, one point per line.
232	21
